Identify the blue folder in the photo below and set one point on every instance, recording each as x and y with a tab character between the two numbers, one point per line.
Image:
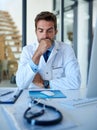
46	94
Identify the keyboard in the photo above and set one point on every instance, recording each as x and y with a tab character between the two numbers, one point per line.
81	102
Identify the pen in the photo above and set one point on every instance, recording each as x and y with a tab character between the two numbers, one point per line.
4	94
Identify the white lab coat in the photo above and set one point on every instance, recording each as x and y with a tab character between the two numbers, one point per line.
61	69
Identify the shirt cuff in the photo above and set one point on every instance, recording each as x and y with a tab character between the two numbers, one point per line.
33	66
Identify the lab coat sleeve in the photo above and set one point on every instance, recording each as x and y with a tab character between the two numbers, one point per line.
24	74
71	78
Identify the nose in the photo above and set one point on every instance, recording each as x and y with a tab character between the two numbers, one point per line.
45	35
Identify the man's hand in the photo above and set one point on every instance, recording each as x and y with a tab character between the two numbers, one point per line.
38	81
42	48
44	45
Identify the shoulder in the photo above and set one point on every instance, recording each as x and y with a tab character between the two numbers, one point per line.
64	46
29	48
66	50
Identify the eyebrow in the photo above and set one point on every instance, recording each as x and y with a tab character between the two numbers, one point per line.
43	29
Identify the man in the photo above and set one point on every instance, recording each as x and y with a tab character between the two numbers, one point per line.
59	71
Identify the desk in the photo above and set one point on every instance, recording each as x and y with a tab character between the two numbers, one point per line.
82	118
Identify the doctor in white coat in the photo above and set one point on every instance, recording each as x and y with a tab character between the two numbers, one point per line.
60	71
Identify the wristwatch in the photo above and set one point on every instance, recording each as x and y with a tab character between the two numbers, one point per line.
46	84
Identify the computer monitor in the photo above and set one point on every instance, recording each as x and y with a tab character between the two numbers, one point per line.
92	77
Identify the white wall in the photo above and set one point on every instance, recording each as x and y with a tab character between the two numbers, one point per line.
33	8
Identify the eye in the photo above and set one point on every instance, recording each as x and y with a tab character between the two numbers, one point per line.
40	30
50	31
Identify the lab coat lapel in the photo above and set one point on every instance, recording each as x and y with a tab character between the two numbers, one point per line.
54	51
52	55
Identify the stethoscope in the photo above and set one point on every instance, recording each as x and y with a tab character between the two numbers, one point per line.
32	117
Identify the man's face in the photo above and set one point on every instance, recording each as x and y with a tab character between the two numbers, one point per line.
45	30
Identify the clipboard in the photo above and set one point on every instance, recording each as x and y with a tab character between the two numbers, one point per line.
9	96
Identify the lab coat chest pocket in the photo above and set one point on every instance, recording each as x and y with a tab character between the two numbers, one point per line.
57	72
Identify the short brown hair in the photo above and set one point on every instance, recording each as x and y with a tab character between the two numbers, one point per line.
48	16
